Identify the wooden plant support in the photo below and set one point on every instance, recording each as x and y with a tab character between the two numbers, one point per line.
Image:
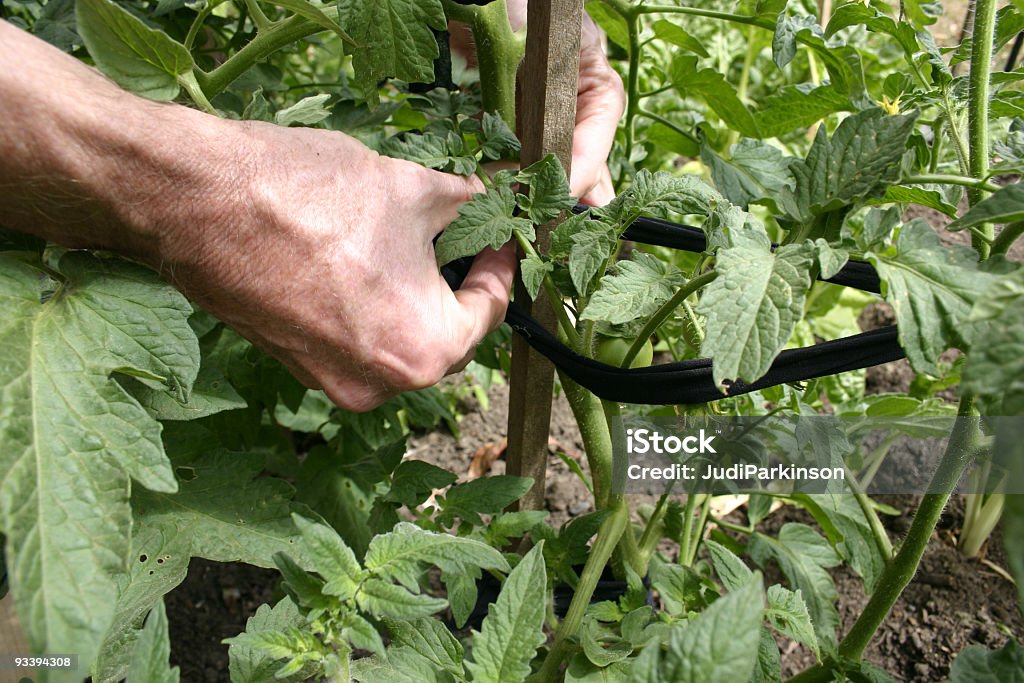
546	120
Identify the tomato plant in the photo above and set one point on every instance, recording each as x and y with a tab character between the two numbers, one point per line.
805	139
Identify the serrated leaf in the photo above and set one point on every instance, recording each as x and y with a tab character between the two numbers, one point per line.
784	39
804	558
401	665
533	269
432	641
383	599
394	40
215	501
211	393
844	525
922	196
862	158
977	664
330	557
1004	206
995	365
144	60
549	190
673	34
306	112
414	480
931	288
730	568
309	10
636	289
427	149
159	562
483	496
485	221
70	436
769	662
718	93
753	305
680	588
400	553
497	141
592	245
787	613
581	670
303	588
830	260
796	106
658	194
719	646
150	661
601	646
754	172
513	628
249	664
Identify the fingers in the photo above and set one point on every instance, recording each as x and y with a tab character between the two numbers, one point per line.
484	294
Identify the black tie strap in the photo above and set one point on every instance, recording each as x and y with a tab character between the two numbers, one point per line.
691	381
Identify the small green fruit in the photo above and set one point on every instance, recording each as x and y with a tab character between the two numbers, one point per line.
611	351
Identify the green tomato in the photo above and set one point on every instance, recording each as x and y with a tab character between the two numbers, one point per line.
611	351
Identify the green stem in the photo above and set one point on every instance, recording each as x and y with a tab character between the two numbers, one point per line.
882	540
668	124
652	532
632	82
685	538
552	293
710	14
629	553
978	105
258	17
607	539
1005	239
901	569
596	437
188	81
655	321
197	23
498	52
947	179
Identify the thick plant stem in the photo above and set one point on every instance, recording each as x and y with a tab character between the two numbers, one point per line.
978	106
498	52
1007	237
607	539
901	569
597	442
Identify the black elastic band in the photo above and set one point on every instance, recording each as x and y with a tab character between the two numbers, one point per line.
691	381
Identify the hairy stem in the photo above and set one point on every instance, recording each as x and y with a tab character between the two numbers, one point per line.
947	179
978	106
901	569
655	321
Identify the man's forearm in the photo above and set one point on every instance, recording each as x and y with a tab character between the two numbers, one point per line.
82	162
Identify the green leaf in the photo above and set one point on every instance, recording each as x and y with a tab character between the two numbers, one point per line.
995	366
845	526
636	289
719	646
797	107
497	141
753	305
394	39
730	569
308	111
658	194
304	589
249	664
483	496
977	664
922	196
513	628
581	670
1004	206
216	502
309	10
158	563
787	613
399	554
211	393
610	21
680	588
931	288
383	599
431	640
151	658
533	269
549	190
754	172
671	33
331	558
402	664
485	221
428	149
592	245
717	92
862	158
414	480
70	436
600	645
784	40
769	662
804	558
144	60
830	261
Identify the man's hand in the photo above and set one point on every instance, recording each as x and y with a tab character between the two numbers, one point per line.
309	244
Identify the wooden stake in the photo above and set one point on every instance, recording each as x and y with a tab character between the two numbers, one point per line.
547	118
